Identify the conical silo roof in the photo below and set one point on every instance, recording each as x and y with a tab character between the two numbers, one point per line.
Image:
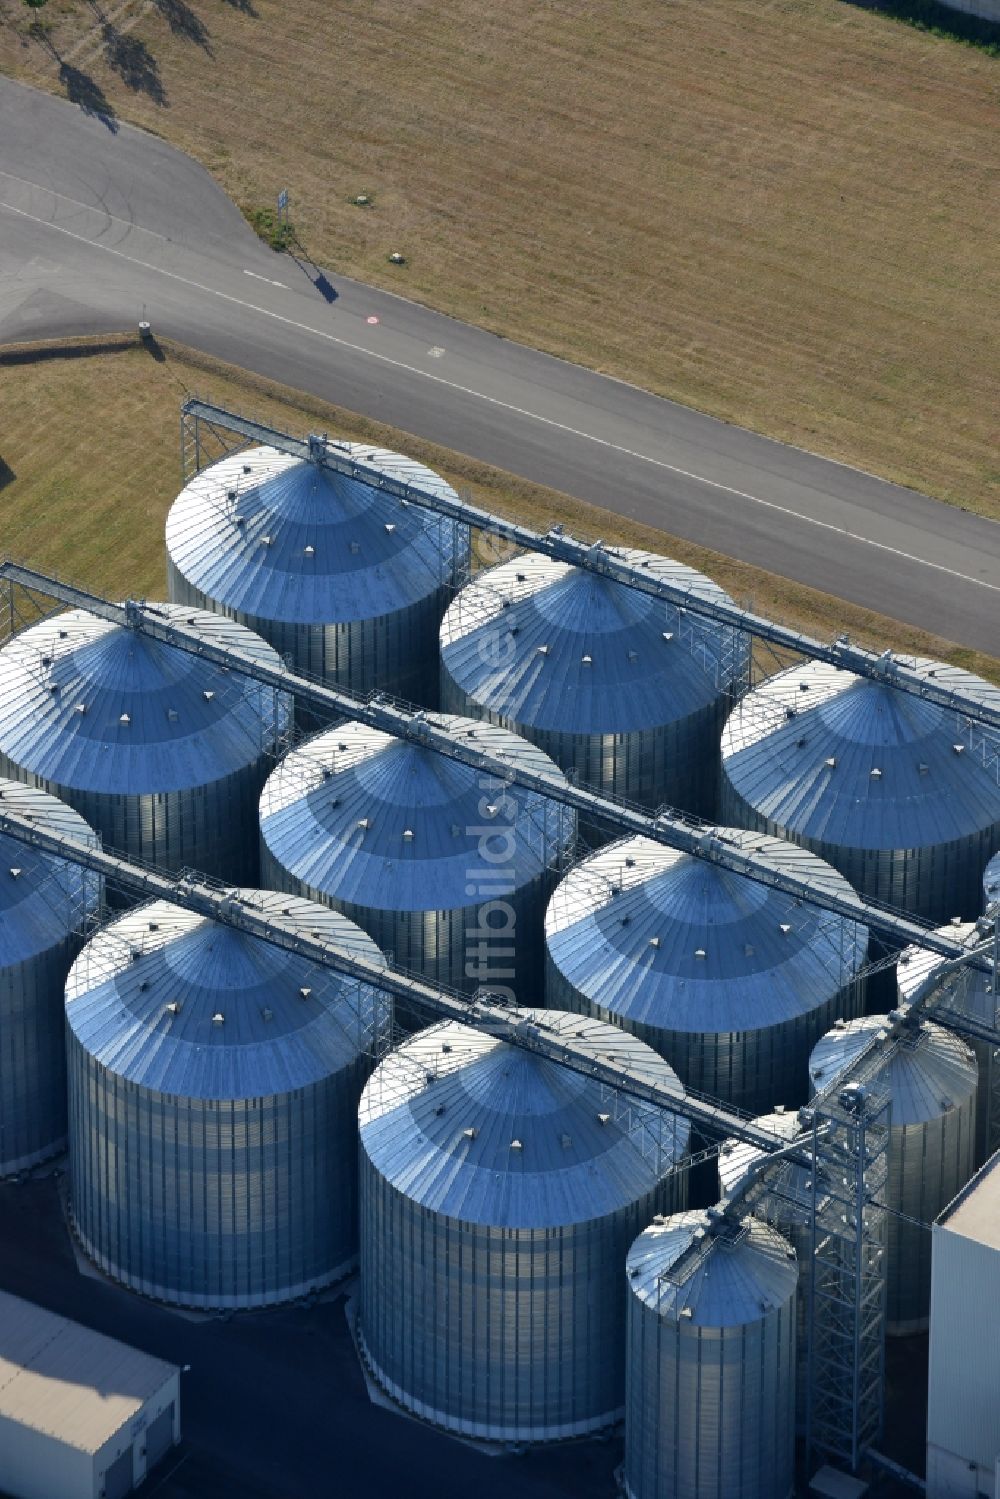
99	707
281	538
549	646
42	899
475	1129
929	1072
850	761
664	939
711	1274
178	1004
389	824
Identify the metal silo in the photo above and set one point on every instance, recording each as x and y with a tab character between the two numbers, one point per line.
45	904
163	753
892	790
931	1078
991	882
729	980
788	1208
969	992
710	1404
213	1085
626	690
444	866
499	1194
346	581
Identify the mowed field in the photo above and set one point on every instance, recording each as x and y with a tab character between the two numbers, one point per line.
91	505
782	211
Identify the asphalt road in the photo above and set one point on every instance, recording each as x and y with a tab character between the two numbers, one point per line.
99	221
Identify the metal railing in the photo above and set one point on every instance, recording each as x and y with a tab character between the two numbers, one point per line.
595	557
667	827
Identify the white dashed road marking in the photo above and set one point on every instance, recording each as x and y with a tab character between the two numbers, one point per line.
547	421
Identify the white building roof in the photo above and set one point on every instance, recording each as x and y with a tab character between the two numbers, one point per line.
67	1382
975	1212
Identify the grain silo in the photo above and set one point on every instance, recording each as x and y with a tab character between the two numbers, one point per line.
970	992
627	691
789	1209
710	1402
162	752
444	866
931	1078
886	786
991	882
45	904
499	1194
731	981
214	1083
346	581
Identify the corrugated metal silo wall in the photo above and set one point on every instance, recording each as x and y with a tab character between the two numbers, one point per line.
710	1410
751	1069
441	945
33	1057
395	653
936	883
676	763
504	1334
214	1203
929	1163
212	828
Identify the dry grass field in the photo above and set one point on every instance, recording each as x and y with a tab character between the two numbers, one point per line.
92	506
782	211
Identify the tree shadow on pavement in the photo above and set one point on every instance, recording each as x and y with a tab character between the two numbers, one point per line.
82	90
87	93
134	63
183	22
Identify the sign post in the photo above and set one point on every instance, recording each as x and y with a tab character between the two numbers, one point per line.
283	206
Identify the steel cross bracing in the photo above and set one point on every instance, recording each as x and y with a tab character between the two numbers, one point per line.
596	558
378	712
844	1148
